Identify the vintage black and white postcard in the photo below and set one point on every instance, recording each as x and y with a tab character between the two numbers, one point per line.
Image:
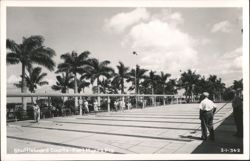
94	80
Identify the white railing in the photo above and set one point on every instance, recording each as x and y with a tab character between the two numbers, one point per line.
85	95
142	100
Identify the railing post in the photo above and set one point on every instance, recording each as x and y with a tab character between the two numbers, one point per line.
143	102
49	101
108	104
155	101
80	106
123	103
163	100
136	101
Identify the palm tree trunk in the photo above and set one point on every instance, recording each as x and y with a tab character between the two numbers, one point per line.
122	84
98	92
24	88
32	100
163	89
75	91
66	91
152	92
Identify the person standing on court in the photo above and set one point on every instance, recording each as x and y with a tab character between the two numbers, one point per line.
80	105
116	105
129	105
95	104
207	110
122	105
238	113
86	106
36	110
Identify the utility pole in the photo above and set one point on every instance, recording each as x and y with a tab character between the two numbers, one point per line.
136	100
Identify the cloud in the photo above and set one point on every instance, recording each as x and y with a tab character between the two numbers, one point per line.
232	60
233	54
121	21
162	46
13	79
228	65
237	63
223	26
177	17
204	41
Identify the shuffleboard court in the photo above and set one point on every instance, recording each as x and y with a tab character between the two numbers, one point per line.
152	130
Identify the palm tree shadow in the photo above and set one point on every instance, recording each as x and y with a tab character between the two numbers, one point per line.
33	122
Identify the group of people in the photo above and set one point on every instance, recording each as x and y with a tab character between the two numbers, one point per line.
207	111
121	105
84	105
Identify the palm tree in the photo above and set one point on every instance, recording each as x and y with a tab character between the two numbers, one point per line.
171	86
64	82
104	86
30	51
152	80
82	84
188	80
123	73
33	78
95	70
215	86
114	88
138	75
74	63
163	80
145	87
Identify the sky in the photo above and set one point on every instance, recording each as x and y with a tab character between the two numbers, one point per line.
172	40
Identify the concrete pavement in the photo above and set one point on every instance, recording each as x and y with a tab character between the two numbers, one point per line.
153	130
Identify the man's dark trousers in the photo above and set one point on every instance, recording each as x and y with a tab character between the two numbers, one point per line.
238	117
207	122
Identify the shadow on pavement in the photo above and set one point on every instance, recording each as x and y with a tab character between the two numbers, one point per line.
225	141
191	137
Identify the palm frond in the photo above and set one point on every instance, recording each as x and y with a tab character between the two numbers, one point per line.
43	83
33	42
12	58
13	46
41	76
43	57
56	88
18	85
84	55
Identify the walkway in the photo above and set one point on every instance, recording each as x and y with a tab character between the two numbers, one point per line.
155	130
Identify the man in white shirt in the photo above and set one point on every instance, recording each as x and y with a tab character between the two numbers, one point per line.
207	110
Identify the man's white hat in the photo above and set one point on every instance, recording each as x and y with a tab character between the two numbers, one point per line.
206	94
